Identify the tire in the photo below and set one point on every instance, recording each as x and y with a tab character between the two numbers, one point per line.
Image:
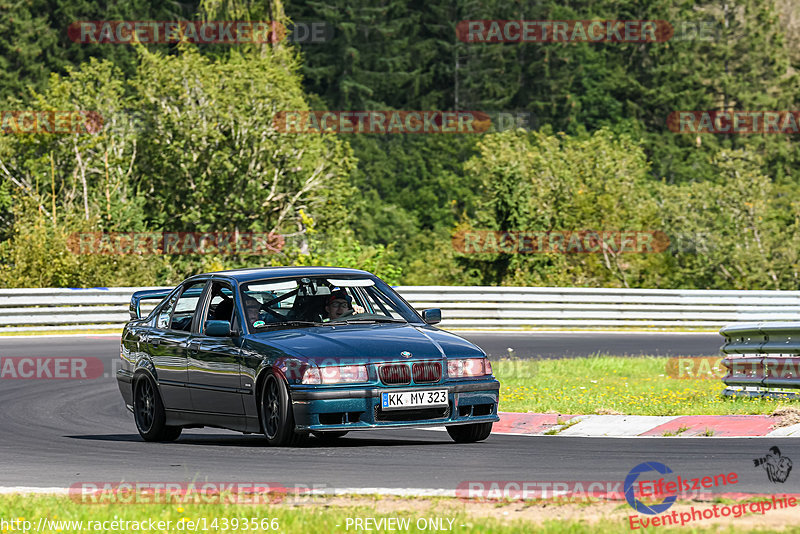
277	418
148	412
470	433
328	437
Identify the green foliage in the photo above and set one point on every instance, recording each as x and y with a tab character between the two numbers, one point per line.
213	135
24	35
188	141
34	40
344	251
738	231
534	182
38	255
205	157
742	230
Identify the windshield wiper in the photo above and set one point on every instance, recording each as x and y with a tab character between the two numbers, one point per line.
289	323
368	320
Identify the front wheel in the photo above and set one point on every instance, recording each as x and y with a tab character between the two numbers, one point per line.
277	418
470	433
148	411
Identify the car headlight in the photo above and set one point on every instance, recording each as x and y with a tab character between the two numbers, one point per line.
468	367
335	375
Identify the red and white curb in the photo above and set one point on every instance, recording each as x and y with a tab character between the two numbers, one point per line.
727	426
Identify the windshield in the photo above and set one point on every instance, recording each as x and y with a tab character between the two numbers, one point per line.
310	301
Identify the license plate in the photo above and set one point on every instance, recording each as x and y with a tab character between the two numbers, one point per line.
401	400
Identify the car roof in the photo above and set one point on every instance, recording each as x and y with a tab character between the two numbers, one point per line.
260	273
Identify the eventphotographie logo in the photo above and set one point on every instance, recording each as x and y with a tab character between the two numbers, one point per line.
630	484
777	466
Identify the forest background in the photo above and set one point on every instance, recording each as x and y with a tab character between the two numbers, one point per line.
188	143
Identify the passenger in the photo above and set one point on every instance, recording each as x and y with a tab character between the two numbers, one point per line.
252	308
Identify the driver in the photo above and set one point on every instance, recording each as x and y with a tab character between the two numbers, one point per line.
338	304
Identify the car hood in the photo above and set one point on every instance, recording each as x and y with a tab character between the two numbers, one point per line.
366	343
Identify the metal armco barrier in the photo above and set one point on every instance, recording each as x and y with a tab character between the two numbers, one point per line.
505	308
763	359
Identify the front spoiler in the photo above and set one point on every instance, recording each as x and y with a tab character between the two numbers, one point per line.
351	427
311	405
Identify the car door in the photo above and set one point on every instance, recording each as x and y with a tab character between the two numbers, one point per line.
168	344
214	361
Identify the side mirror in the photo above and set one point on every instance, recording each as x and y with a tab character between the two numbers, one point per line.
218	328
432	315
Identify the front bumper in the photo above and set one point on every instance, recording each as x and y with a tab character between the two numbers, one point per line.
358	408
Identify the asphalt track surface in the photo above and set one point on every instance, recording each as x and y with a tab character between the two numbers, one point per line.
55	433
497	345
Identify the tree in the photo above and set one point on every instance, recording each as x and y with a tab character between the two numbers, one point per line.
201	153
555	183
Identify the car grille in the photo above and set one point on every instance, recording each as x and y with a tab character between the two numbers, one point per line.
427	372
395	374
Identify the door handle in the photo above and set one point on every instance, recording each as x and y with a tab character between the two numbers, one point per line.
155	342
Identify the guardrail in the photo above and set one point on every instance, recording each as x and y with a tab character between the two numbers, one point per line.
462	307
763	359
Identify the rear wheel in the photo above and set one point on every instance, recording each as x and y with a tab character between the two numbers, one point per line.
277	419
470	433
148	411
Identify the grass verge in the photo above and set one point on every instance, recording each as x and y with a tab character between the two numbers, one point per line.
613	384
338	514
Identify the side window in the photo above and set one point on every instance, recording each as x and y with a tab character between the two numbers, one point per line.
221	306
185	307
163	316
